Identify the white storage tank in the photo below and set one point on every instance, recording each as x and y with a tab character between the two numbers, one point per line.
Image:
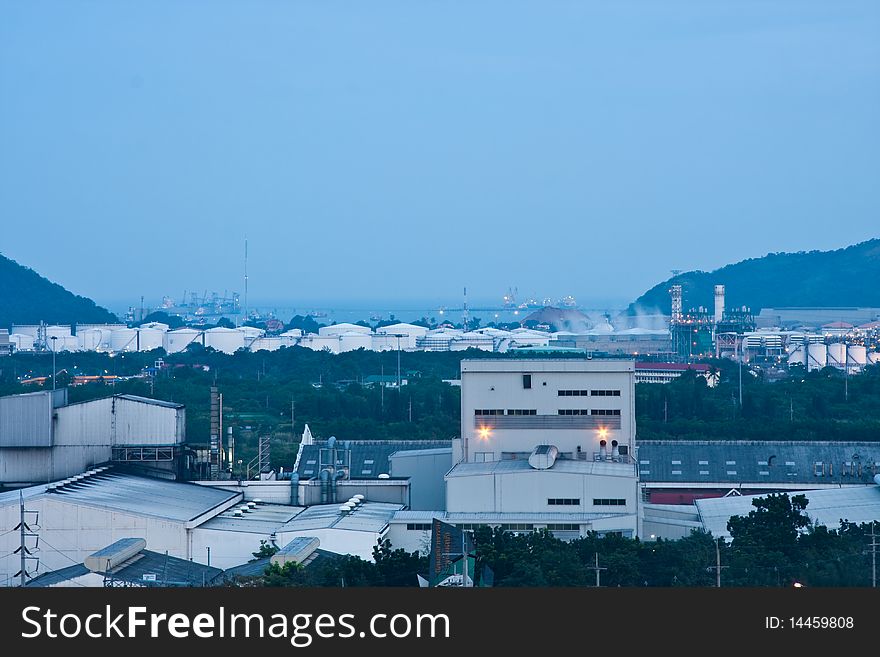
226	340
837	355
268	343
149	339
252	332
62	343
856	356
124	339
57	331
159	326
22	342
352	341
32	330
874	358
340	329
179	340
90	339
817	356
798	356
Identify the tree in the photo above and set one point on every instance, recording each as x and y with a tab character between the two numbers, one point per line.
266	550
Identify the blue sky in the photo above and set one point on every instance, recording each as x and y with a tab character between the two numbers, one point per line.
401	150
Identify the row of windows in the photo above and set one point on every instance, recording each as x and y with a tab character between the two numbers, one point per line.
522	411
561	411
574	411
605	411
609	502
563	501
513	526
605	393
591	393
563	527
419	526
489	411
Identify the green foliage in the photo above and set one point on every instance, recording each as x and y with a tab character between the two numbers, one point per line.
266	550
775	545
798	279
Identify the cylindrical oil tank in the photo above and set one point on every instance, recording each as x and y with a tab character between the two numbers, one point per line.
176	341
817	356
837	355
856	355
90	339
124	339
267	343
57	331
874	358
226	340
149	339
797	355
352	341
251	332
22	342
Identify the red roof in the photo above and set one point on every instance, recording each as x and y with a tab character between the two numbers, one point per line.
837	325
674	367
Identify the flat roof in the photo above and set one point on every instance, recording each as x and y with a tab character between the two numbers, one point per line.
532	365
570	466
825	507
262	519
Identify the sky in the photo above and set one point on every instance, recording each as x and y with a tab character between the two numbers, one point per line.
400	150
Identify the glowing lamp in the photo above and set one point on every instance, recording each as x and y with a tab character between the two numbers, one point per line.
484	433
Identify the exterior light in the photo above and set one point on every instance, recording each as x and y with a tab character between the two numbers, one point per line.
603	432
484	433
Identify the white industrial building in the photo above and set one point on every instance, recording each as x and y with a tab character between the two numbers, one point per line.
549	438
44	438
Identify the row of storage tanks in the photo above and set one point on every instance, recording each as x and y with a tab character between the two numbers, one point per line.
816	355
335	339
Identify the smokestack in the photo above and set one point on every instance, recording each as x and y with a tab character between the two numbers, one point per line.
615	453
719	303
675	293
603	452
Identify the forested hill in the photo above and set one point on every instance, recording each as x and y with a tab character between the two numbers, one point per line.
28	298
845	277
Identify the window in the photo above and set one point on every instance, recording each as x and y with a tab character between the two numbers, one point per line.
573	411
527	381
564	501
605	393
522	411
563	527
484	457
516	527
609	502
605	411
418	526
488	411
572	393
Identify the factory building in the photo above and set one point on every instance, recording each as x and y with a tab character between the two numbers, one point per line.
44	438
549	438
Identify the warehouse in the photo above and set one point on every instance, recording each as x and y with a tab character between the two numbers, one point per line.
44	438
84	514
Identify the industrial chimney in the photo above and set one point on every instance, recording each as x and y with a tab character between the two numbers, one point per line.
675	293
615	452
603	452
719	303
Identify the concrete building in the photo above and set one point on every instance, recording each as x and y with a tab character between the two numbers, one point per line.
547	438
666	372
425	469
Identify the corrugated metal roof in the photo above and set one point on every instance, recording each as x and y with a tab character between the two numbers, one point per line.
263	519
561	465
664	461
369	458
499	518
167	570
367	517
153	497
438	451
826	507
147	400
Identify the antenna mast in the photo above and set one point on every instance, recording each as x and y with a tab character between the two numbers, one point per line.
245	280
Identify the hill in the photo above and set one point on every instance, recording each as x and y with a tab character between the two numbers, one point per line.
28	298
845	277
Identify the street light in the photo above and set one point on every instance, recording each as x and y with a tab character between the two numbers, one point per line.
53	338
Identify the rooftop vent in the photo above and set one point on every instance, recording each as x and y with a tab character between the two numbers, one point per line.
114	554
384	475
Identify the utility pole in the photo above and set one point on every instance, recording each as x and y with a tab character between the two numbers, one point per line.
718	565
398	362
739	344
597	569
874	545
24	533
54	375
